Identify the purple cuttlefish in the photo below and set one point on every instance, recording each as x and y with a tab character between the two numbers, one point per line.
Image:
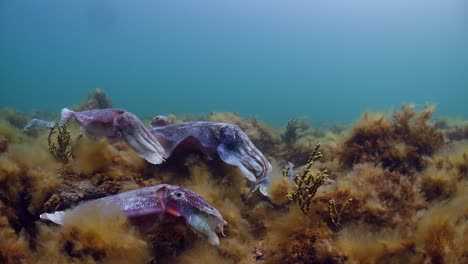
147	207
214	139
227	141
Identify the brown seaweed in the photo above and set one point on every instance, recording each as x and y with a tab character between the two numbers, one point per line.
61	146
408	189
399	144
96	99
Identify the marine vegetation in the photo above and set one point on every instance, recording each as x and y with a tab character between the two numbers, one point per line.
223	140
3	144
335	214
398	144
408	188
61	146
290	133
306	183
459	132
14	117
96	99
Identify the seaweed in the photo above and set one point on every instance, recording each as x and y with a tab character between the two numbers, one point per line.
335	214
290	135
306	183
263	137
16	247
408	190
96	99
302	248
298	152
398	144
381	198
444	172
63	150
458	133
3	144
14	117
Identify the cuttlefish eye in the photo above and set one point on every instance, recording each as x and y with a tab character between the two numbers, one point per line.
178	194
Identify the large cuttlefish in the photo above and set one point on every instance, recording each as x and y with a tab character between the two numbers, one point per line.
223	140
147	207
214	139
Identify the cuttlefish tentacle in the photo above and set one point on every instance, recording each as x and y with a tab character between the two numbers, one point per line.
238	150
197	213
151	204
140	139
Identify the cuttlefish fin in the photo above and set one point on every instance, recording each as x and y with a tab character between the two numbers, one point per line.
56	217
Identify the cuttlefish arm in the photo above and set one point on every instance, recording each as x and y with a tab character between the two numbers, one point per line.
116	123
196	212
225	140
146	206
139	138
237	149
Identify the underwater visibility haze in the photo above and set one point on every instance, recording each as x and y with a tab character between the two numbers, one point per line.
327	60
247	132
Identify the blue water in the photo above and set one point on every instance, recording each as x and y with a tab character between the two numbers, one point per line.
273	59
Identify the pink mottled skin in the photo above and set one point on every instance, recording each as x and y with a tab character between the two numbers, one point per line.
214	139
147	207
117	123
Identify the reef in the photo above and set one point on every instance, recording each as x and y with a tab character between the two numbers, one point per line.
386	189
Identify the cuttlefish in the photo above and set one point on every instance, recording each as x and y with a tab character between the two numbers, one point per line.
214	139
147	207
117	123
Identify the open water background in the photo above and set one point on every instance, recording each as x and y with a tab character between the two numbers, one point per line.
273	59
